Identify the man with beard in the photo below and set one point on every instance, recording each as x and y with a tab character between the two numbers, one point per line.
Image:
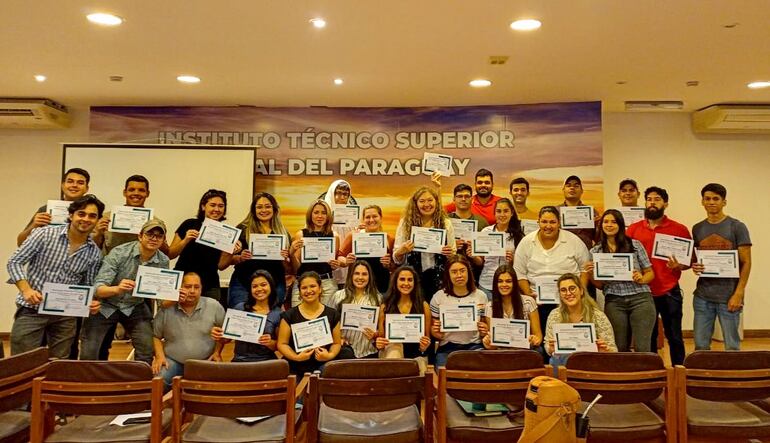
665	286
483	203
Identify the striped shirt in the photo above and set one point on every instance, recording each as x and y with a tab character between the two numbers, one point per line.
46	256
357	340
623	288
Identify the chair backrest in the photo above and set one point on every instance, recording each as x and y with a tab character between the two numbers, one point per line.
621	377
490	376
16	374
235	389
370	385
727	375
100	387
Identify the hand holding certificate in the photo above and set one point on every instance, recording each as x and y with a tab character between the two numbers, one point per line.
267	246
58	210
719	264
428	239
243	326
317	249
667	246
66	300
464	228
631	214
509	333
614	267
129	219
311	334
218	235
158	283
370	244
404	328
574	337
458	318
577	217
347	215
546	291
358	317
437	163
488	244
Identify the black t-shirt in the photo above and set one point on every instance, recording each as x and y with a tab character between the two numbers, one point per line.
321	268
197	257
293	316
245	269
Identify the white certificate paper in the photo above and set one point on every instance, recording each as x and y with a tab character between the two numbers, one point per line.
317	249
631	214
428	239
666	246
370	244
528	226
158	283
577	217
348	215
243	326
464	228
129	219
488	244
58	210
509	333
266	246
66	300
311	334
358	317
404	328
432	162
574	337
458	318
546	291
218	235
719	264
613	267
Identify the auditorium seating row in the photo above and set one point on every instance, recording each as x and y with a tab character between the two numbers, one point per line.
715	396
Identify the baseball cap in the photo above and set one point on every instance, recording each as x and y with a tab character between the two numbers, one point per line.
628	181
154	223
571	178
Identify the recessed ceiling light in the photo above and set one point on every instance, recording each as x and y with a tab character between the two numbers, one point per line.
480	83
759	85
525	25
189	79
318	22
40	78
338	81
101	18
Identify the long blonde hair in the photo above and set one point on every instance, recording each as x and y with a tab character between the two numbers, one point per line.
587	304
327	227
412	217
251	222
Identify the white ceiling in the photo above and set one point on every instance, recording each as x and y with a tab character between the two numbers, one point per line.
390	53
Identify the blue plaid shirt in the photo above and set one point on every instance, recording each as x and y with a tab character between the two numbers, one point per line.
623	288
46	256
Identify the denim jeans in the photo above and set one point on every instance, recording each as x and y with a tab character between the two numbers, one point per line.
29	328
706	313
174	368
237	294
442	354
138	326
631	314
669	306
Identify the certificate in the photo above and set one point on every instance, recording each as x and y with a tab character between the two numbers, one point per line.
59	211
370	244
243	326
428	239
577	217
719	264
311	334
464	228
267	246
348	215
317	249
631	214
458	318
66	300
488	244
617	267
158	283
509	333
218	235
529	226
666	246
358	317
574	337
129	219
547	291
404	328
437	163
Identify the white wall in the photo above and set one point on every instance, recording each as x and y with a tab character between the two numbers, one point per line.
655	149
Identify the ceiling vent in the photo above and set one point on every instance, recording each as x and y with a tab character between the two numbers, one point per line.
32	113
654	105
732	119
498	59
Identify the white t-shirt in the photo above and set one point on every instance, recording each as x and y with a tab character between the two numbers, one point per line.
492	263
531	261
476	297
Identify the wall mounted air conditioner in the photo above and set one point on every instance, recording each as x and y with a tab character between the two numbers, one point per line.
32	113
732	119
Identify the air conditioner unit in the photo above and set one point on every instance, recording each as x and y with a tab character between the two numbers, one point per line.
32	113
732	119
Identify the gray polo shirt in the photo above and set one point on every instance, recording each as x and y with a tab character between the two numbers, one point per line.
188	336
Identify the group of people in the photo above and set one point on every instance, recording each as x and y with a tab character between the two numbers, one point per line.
406	280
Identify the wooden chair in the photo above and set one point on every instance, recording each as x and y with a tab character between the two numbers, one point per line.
638	395
485	377
723	396
95	392
370	400
16	375
218	393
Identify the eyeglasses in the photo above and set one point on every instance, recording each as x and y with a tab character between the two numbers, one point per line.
571	289
155	236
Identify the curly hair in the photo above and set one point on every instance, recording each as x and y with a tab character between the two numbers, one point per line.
412	217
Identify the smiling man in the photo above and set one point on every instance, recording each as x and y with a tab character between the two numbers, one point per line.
136	191
483	202
628	193
519	189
